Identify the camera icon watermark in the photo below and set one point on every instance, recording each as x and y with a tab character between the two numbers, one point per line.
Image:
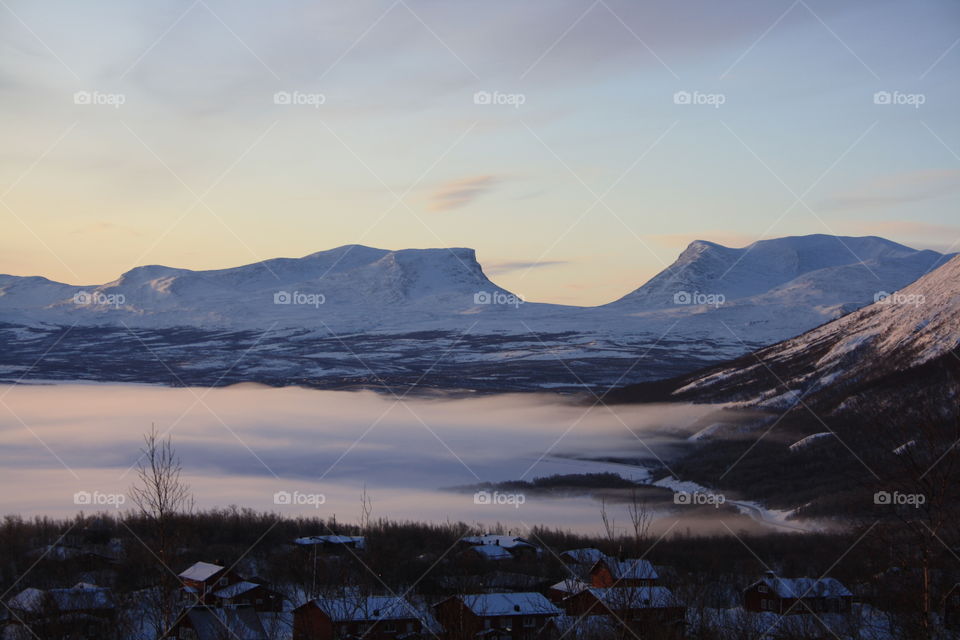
914	100
484	497
697	298
98	298
907	299
98	499
699	499
497	297
715	100
897	499
515	100
299	298
115	100
299	98
299	499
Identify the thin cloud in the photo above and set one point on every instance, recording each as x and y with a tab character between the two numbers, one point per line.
460	193
507	267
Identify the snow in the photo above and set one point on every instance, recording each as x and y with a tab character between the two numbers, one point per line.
806	442
201	571
774	289
236	589
509	604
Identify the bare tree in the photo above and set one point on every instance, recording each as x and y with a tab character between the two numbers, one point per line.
366	508
160	495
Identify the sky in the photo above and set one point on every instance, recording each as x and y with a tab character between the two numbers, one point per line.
578	146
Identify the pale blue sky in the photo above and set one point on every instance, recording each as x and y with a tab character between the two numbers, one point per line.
90	190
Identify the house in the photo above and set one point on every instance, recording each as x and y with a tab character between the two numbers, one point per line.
78	612
587	556
797	595
639	609
566	588
203	578
500	616
249	593
331	543
488	552
370	617
517	547
201	622
610	572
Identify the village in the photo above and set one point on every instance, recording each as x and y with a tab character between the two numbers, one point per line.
498	586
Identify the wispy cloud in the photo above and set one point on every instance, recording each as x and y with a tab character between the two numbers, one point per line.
507	267
460	193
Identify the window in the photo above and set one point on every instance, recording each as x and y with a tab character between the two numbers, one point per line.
259	601
762	588
222	582
529	621
763	604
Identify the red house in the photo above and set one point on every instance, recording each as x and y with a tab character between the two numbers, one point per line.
203	578
610	572
641	609
370	617
797	595
513	616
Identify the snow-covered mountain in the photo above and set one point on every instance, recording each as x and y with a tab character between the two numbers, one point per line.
352	287
354	314
904	332
774	289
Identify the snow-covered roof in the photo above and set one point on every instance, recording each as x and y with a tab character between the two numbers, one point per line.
357	541
570	586
29	599
491	552
364	608
80	597
631	569
634	597
583	556
805	587
509	604
507	542
236	589
201	571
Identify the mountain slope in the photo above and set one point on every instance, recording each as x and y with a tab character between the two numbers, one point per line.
824	367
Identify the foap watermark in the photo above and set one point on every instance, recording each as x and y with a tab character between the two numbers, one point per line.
899	98
908	299
99	98
896	499
697	298
714	100
497	297
515	100
497	498
300	99
98	499
299	499
299	297
699	499
99	298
